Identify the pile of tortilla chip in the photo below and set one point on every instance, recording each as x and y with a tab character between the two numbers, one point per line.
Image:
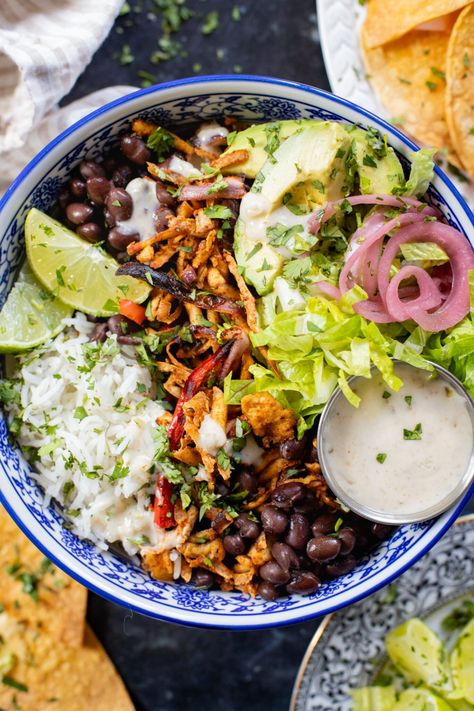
419	57
49	658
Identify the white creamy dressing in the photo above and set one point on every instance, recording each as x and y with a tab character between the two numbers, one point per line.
255	209
211	435
251	455
184	168
145	202
415	474
208	131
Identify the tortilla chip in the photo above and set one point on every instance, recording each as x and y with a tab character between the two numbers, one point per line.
387	21
268	418
460	88
58	677
407	76
55	602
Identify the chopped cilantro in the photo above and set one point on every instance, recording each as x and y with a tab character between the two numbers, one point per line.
80	413
218	212
161	441
413	434
431	85
381	457
369	161
211	23
161	142
466	60
254	251
13	683
236	13
438	73
126	55
408	399
279	234
386	395
223	459
217	186
59	275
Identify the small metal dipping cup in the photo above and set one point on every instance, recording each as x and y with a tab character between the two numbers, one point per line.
465	481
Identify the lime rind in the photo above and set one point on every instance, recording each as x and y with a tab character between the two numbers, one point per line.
81	274
462	662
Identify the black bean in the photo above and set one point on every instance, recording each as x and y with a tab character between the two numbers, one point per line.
77	187
122	175
273	573
109	218
119	240
128	340
119	204
324	523
285	556
222	489
267	591
189	275
233	544
303	583
313	455
298	531
90	169
381	531
247	527
99	333
122	257
118	324
341	566
91	231
202	578
78	213
163	196
308	505
293	449
288	494
64	198
347	539
98	189
273	520
247	482
135	149
322	548
160	218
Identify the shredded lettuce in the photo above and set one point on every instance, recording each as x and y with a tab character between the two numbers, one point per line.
421	173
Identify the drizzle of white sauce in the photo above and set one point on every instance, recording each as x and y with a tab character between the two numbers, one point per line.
211	435
415	474
208	131
255	211
251	454
184	168
145	202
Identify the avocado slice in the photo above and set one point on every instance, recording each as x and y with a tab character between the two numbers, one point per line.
305	171
376	174
262	138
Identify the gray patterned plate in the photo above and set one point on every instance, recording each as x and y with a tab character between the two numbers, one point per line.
347	650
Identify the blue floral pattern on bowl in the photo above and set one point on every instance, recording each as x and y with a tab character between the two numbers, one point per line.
119	579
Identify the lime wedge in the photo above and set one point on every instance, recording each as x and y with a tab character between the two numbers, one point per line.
373	698
81	274
420	700
462	662
419	654
31	315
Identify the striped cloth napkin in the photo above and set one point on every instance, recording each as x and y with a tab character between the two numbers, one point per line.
44	46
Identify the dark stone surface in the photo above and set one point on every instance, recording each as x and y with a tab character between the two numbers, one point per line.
166	667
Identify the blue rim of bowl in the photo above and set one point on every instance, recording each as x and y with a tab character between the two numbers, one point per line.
209	79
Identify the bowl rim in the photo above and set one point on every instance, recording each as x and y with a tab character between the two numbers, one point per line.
255	620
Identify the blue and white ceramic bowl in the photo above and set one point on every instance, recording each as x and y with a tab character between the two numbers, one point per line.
251	99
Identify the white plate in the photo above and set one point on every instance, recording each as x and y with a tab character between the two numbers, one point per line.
339	28
347	650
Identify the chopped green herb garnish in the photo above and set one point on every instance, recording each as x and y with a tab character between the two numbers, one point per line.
161	142
386	395
408	399
80	413
211	23
381	457
413	434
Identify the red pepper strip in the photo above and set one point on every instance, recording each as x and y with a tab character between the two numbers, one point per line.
210	366
163	507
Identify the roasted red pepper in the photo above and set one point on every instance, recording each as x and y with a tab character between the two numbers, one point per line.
211	366
163	506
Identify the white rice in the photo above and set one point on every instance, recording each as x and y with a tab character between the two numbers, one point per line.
110	433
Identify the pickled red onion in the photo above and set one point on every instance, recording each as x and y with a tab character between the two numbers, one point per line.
461	256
